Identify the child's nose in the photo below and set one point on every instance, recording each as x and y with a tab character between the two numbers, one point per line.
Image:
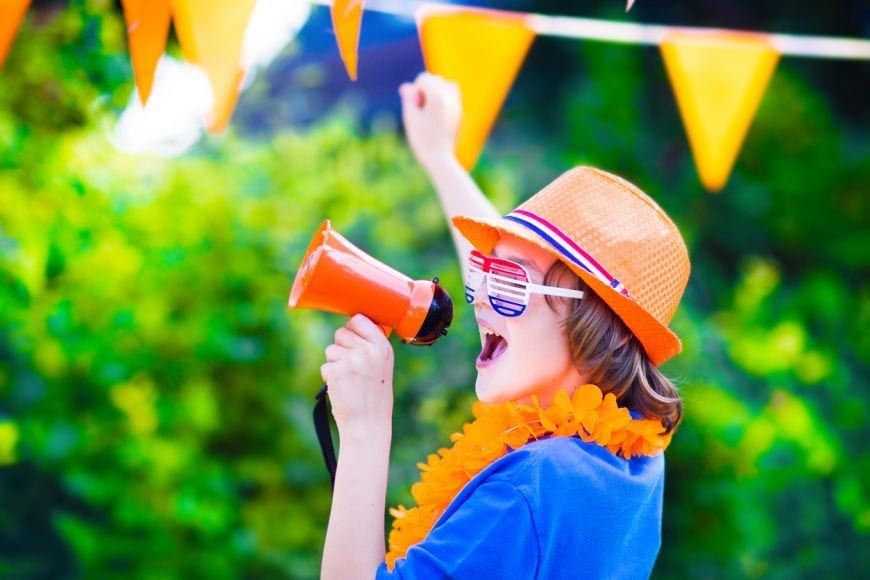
480	294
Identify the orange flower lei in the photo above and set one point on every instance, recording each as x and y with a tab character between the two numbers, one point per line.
498	428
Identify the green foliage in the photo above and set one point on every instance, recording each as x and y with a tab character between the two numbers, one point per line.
155	393
154	372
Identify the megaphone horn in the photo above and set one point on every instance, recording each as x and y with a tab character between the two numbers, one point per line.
336	276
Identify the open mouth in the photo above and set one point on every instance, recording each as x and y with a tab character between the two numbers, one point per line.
494	345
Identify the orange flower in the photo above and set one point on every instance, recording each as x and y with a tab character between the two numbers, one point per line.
500	428
586	400
643	437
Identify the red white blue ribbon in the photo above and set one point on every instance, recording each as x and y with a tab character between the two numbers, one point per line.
565	246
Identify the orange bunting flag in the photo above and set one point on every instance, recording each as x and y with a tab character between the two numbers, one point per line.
211	33
346	21
147	29
719	79
481	51
11	14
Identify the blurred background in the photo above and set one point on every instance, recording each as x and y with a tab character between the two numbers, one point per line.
156	395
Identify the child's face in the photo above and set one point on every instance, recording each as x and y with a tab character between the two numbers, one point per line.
530	354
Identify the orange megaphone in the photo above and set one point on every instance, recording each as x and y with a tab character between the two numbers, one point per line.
336	276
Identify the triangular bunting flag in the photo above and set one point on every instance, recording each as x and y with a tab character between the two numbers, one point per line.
346	21
211	33
482	52
11	14
147	29
719	80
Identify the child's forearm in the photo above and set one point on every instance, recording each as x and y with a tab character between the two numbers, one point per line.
354	546
431	113
459	195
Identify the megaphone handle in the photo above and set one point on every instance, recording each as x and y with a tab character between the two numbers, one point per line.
324	434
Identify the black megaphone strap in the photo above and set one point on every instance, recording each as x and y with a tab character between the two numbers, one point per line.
324	434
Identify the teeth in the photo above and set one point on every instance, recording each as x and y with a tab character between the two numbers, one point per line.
488	332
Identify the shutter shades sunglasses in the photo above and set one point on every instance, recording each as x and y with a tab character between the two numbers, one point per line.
508	284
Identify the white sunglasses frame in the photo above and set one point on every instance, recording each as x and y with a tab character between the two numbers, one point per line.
508	285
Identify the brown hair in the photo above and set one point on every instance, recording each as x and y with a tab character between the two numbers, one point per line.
603	348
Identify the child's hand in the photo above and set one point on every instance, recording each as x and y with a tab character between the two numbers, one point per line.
431	111
359	375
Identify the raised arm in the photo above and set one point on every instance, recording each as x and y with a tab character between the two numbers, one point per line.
431	111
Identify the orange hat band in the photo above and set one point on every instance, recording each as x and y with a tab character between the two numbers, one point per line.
567	247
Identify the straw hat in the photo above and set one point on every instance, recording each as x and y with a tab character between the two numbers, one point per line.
612	235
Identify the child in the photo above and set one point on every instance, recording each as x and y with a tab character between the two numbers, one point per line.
561	474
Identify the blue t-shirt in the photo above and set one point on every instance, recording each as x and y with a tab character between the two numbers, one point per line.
555	508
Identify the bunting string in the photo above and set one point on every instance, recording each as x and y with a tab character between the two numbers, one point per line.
634	33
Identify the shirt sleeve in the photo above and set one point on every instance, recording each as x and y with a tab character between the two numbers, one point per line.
490	535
